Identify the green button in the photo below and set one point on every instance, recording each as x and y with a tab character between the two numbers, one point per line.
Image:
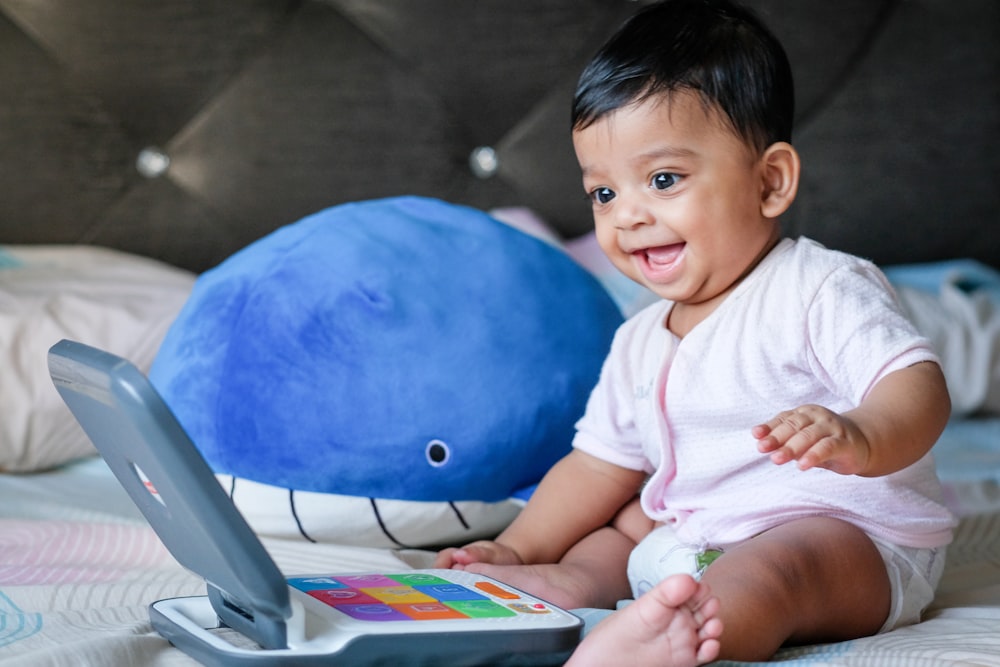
480	608
419	579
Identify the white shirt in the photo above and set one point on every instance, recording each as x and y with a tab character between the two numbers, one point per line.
808	325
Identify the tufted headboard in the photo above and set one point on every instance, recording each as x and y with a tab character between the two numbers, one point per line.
184	129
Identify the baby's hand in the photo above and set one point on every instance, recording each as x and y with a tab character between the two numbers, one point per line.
483	551
815	437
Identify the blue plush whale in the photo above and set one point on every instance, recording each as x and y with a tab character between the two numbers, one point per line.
404	349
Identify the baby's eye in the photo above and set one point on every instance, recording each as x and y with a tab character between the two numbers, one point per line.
664	181
602	195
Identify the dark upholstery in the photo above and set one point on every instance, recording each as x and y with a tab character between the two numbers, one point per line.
272	109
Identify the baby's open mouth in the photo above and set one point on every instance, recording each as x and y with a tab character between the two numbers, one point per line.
660	264
663	257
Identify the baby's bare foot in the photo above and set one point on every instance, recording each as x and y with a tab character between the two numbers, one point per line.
675	625
561	584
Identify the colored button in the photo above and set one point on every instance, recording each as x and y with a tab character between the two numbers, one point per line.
306	584
480	608
428	612
340	596
398	595
373	612
366	580
448	591
496	591
524	608
418	579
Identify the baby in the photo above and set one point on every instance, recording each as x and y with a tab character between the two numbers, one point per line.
773	412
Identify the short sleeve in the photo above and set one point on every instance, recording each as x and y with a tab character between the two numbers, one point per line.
858	332
610	428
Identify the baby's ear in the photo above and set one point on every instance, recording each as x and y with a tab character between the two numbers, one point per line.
780	167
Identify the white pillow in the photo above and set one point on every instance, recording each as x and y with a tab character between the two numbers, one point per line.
956	303
965	331
106	298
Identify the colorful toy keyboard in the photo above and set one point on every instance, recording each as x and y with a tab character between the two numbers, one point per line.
425	595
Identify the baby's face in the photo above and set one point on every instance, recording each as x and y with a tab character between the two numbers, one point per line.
676	198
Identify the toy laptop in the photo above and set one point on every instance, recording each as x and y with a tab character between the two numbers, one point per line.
254	615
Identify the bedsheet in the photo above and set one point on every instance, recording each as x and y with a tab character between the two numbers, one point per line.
79	567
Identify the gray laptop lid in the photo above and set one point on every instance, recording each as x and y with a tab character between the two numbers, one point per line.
170	482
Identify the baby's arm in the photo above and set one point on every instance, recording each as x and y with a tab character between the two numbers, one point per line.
897	423
580	494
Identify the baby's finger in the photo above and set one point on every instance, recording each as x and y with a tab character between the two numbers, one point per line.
765	441
815	454
774	434
482	552
444	559
799	447
469	554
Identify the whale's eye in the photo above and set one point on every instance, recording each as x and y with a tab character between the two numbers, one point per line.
437	453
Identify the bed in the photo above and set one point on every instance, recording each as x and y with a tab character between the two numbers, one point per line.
145	142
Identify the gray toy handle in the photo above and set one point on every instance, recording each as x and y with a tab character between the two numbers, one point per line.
174	488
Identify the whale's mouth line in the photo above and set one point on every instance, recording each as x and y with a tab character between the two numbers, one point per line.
461	519
295	515
403	545
385	529
375	511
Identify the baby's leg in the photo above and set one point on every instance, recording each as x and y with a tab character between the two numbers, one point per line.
812	580
674	625
808	581
591	574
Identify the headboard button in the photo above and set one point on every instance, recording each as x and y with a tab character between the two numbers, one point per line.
152	162
484	162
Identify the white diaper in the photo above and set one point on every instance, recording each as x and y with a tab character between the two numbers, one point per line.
913	576
660	554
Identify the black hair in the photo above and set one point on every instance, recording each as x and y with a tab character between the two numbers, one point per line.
715	48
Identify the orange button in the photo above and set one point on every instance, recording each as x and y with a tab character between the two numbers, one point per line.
493	589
